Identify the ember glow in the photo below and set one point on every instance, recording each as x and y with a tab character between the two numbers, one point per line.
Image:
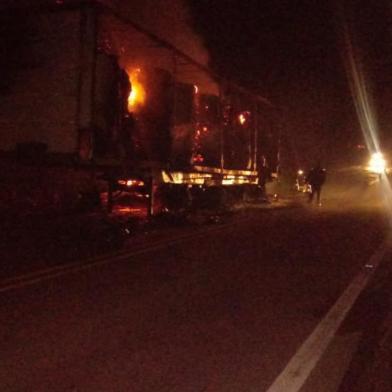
137	96
243	117
131	183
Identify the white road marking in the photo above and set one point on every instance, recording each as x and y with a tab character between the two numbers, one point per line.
303	362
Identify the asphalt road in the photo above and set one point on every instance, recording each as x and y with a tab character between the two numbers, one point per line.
222	308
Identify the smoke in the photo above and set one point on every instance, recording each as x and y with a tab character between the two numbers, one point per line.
171	22
353	188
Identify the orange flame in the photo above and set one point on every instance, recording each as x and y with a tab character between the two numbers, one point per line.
137	96
242	119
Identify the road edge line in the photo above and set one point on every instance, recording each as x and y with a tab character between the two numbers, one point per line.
300	366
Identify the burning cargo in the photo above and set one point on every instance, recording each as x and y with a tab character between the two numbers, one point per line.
90	94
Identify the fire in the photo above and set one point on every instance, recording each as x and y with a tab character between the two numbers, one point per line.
244	117
131	183
138	94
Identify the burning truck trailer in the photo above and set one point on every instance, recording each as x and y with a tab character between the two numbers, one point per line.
60	99
201	138
94	104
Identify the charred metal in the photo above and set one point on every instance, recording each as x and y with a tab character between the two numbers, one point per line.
100	102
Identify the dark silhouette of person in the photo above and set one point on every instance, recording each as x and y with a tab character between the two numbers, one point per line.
316	179
264	176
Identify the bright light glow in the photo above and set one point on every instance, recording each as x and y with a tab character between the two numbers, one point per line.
135	183
300	172
200	179
196	89
360	89
242	119
377	163
137	96
131	182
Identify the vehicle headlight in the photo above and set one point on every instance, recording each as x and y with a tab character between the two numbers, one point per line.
377	163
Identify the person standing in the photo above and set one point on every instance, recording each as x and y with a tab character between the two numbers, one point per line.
264	176
316	179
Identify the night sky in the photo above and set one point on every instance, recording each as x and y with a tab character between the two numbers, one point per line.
293	52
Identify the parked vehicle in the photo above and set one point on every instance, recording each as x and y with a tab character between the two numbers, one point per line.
301	184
